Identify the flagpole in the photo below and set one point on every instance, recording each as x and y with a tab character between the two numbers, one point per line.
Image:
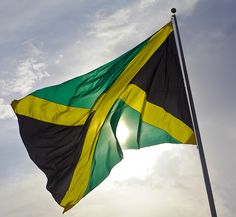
195	122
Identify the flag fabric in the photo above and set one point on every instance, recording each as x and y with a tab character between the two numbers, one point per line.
70	130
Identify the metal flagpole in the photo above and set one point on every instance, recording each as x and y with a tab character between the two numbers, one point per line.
194	117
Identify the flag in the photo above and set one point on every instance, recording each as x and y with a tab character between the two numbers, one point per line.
70	130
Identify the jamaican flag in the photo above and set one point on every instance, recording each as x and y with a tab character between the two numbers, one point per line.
70	130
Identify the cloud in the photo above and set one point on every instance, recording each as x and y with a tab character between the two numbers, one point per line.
109	32
111	26
19	80
32	186
5	110
166	180
28	71
146	3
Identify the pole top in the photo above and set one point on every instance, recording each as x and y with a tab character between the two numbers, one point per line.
173	10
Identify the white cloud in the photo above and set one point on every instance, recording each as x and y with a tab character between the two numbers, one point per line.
27	74
28	71
5	110
146	3
109	25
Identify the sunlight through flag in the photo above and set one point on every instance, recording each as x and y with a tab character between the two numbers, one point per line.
122	133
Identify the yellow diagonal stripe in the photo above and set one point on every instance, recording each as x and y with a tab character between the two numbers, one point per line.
156	116
81	174
50	112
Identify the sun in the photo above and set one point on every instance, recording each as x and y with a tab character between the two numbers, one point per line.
122	132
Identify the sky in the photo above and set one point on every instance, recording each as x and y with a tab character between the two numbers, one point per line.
43	43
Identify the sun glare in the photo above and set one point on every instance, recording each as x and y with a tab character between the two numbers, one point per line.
122	132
